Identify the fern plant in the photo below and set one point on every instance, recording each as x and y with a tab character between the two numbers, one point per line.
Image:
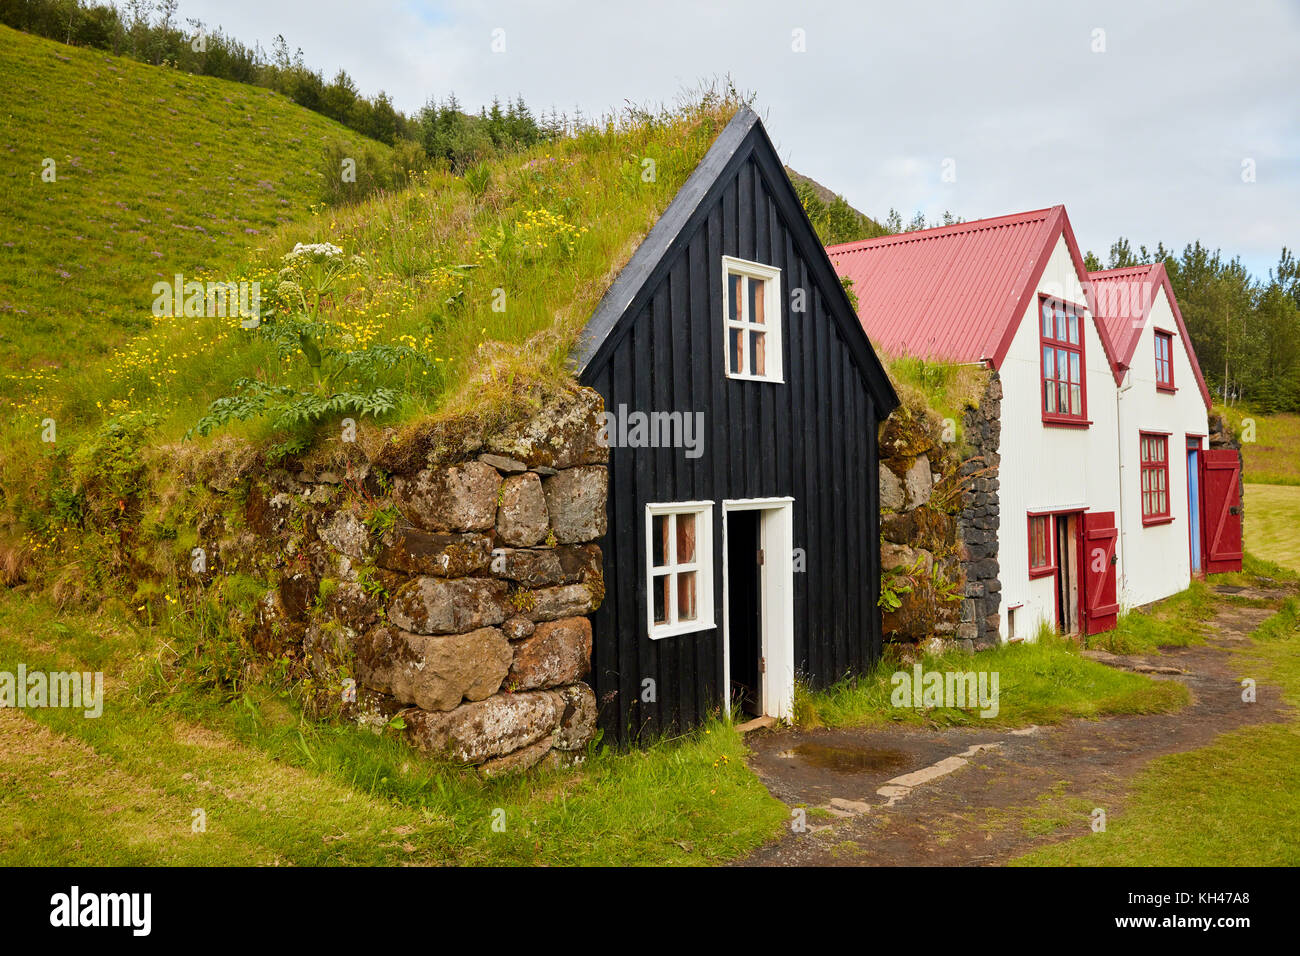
329	355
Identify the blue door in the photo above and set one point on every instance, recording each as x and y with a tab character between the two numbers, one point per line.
1194	500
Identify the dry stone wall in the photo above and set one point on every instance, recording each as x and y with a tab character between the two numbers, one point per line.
980	519
921	570
453	594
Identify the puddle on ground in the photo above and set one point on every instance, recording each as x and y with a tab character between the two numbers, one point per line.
847	759
1228	589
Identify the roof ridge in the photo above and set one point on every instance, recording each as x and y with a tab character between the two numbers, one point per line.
1107	273
956	228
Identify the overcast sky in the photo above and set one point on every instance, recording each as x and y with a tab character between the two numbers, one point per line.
1143	118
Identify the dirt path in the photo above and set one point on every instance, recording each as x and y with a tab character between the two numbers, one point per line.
970	796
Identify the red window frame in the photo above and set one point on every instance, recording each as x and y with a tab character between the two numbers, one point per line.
1165	362
1048	548
1062	340
1153	453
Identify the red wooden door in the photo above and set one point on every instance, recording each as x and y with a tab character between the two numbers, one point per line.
1221	481
1100	572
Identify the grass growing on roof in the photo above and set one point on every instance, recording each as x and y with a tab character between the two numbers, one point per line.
947	388
486	279
1043	682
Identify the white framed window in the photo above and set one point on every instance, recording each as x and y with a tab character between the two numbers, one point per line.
679	567
751	314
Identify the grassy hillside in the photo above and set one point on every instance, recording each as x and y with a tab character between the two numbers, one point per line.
483	275
1270	445
831	215
155	172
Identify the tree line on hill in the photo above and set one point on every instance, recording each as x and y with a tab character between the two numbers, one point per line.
151	33
1246	330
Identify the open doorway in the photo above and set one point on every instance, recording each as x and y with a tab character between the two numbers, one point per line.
744	609
1067	573
1194	502
758	606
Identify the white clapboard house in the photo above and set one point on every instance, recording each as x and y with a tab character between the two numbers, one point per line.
1098	406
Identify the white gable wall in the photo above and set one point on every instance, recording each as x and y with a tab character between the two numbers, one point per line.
1157	558
1050	468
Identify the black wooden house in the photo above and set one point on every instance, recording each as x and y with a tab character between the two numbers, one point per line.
744	398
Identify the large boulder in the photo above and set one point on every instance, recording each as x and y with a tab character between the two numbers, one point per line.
577	717
524	758
567	600
579	562
575	499
918	482
455	498
480	730
532	568
439	553
434	673
522	519
345	533
891	490
428	605
562	434
557	652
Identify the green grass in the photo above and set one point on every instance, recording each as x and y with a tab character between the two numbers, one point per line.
279	789
945	388
1177	621
156	172
490	281
1044	682
1234	803
1273	522
1268	445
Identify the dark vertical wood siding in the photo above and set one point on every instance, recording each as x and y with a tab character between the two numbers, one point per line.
812	438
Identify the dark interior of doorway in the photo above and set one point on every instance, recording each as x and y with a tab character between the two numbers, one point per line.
1066	606
744	608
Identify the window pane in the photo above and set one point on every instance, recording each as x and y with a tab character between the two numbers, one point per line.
1076	400
1063	402
757	288
757	349
660	590
1074	368
736	350
1047	320
1074	329
685	538
734	297
1049	362
659	547
1061	333
686	596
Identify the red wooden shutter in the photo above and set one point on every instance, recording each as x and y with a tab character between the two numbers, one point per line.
1221	481
1100	566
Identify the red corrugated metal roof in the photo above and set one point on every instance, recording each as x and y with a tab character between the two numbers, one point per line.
1122	300
958	292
